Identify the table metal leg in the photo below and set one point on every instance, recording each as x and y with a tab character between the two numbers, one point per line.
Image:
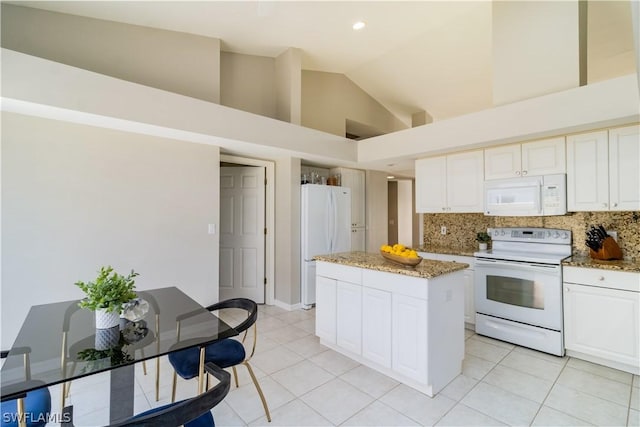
122	388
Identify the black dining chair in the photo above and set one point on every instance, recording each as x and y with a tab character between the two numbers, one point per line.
193	412
34	406
226	353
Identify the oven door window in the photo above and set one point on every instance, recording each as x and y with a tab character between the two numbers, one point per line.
515	291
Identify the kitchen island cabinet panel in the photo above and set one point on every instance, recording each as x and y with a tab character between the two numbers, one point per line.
326	309
409	341
349	316
376	326
409	328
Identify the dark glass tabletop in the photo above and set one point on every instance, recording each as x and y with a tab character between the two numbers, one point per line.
59	341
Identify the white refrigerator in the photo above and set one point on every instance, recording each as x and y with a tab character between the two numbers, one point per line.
325	228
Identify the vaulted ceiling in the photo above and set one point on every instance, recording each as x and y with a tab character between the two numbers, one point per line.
433	56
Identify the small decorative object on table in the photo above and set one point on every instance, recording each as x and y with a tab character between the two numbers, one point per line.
601	245
107	294
483	240
400	254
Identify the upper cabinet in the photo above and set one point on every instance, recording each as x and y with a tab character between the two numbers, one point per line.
530	158
624	168
603	170
355	180
450	184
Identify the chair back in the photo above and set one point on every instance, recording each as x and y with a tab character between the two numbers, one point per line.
246	304
181	413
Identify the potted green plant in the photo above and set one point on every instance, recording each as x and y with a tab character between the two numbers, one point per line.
106	295
483	240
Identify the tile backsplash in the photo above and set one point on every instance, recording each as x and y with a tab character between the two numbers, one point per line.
462	228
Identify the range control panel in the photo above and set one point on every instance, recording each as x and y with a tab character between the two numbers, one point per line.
537	235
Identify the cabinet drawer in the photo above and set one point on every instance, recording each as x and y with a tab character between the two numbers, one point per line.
395	283
339	272
622	280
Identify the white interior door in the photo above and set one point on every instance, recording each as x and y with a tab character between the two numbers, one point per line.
242	237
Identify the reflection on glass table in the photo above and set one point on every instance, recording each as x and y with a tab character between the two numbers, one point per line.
47	326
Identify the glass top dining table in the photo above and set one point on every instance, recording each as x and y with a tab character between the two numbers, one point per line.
59	342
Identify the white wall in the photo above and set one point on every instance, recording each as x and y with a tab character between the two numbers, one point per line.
247	83
178	62
329	99
287	258
535	49
289	86
405	212
377	216
76	197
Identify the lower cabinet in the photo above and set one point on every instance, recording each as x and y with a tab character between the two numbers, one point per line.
349	316
409	328
326	308
602	317
410	337
376	326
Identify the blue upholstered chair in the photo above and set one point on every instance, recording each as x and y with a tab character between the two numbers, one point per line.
226	353
33	406
194	412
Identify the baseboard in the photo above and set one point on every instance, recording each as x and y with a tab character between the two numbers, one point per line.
285	306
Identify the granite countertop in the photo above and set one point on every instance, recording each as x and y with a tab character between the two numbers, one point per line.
427	269
588	262
435	249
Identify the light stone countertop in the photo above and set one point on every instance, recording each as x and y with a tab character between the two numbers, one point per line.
427	269
446	250
588	262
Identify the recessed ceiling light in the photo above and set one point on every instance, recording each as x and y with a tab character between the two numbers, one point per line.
359	25
390	177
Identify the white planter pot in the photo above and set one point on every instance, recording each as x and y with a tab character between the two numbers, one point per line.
107	338
105	320
482	246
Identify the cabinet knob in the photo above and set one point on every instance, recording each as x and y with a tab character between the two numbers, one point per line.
604	205
518	173
524	172
615	205
601	278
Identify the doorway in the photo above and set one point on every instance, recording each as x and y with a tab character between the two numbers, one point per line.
246	229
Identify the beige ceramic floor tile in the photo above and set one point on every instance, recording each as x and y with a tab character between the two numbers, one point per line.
462	415
501	404
586	407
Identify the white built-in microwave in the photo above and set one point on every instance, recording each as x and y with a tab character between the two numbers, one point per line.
528	196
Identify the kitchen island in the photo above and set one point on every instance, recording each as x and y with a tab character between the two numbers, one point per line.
406	322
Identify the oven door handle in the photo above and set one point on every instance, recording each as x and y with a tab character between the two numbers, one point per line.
547	268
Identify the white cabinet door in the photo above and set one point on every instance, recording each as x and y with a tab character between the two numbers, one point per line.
376	326
602	322
431	185
409	342
358	239
349	316
355	180
544	157
588	172
326	309
502	162
465	177
624	168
